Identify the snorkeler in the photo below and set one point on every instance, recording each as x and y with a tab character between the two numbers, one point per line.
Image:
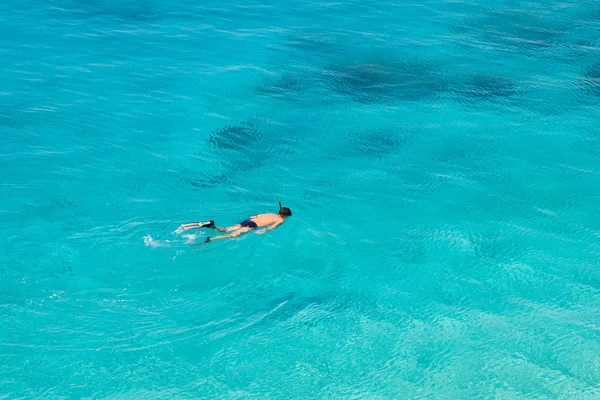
267	221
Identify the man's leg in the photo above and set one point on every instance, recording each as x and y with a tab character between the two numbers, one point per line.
228	229
236	232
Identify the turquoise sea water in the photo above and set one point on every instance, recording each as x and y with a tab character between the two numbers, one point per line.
441	158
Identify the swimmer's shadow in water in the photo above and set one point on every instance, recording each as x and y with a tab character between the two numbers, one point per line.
308	312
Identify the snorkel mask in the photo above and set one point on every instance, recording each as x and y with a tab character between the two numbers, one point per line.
284	211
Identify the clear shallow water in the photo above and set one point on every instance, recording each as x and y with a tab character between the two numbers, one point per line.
441	159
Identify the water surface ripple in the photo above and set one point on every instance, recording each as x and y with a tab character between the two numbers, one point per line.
441	159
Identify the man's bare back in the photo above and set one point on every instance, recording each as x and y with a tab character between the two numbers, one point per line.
267	221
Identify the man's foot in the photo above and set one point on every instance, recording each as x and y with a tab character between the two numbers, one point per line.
202	243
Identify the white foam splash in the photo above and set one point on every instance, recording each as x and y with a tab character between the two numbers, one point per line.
190	238
148	241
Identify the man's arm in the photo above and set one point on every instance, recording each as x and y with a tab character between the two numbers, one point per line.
270	227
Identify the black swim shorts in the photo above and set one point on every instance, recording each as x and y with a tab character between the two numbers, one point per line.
248	224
